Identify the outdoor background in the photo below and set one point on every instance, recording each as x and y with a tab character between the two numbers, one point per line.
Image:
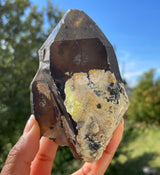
133	28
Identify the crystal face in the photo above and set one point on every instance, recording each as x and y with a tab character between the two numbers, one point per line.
77	95
68	57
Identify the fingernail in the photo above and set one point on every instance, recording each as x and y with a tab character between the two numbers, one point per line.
34	131
29	124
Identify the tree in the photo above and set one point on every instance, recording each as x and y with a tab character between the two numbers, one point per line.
145	100
22	32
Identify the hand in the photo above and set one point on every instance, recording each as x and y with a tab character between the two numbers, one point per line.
33	157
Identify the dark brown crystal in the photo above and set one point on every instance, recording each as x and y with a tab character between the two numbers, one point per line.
76	45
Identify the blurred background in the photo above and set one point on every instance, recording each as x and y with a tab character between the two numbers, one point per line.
132	27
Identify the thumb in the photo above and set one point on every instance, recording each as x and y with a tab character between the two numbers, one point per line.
22	154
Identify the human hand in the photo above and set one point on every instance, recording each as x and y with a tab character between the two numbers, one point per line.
35	157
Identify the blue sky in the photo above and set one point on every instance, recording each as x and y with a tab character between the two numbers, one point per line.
132	26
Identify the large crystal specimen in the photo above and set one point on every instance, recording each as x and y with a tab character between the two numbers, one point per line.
77	95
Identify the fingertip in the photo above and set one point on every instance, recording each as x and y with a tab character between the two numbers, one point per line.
31	137
119	130
123	121
29	124
34	130
111	148
43	161
48	142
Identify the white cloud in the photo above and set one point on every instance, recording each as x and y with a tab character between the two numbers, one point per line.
133	74
132	66
158	70
132	77
123	55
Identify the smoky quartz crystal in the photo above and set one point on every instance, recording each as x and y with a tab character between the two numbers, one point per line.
77	95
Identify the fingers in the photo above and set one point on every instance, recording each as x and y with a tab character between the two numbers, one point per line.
22	154
43	161
99	167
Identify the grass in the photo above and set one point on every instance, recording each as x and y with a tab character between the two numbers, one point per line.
147	141
139	148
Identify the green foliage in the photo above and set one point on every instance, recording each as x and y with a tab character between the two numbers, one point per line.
22	33
145	100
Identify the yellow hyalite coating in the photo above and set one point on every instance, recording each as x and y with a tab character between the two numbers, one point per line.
97	102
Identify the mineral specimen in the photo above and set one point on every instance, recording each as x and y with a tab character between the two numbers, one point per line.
77	95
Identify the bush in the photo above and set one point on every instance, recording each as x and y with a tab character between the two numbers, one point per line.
145	99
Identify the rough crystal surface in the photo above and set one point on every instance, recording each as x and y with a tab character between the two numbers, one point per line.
96	101
77	95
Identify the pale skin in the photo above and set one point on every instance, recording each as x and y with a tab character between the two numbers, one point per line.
33	155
